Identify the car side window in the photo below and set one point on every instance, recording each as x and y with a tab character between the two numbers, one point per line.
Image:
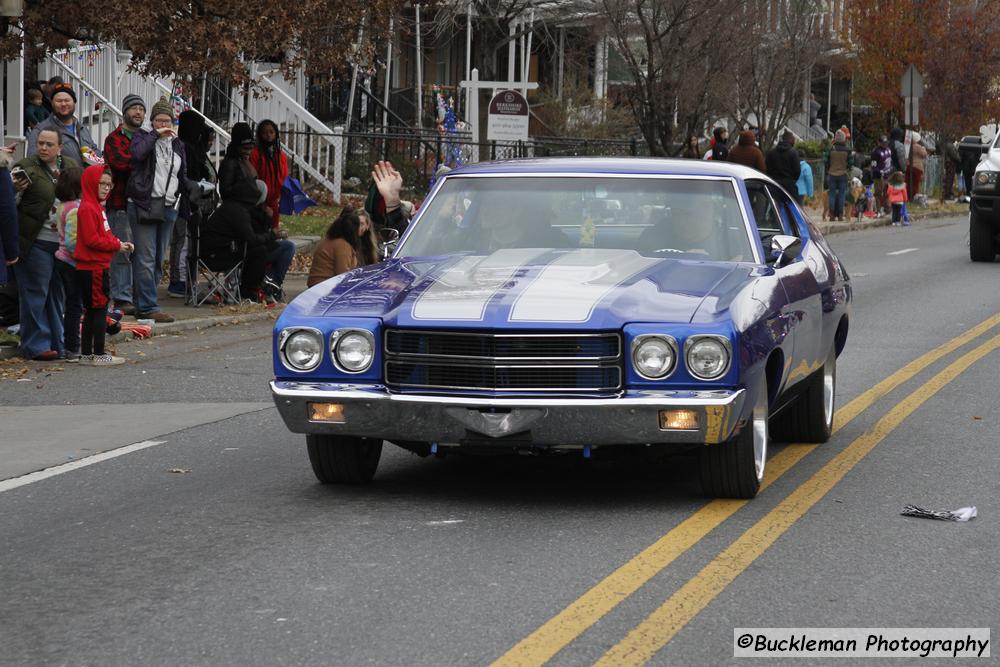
769	222
784	207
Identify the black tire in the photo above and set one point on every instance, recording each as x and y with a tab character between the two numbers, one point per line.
809	418
730	469
343	459
982	247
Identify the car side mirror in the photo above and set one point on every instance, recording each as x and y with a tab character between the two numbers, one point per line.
388	237
784	248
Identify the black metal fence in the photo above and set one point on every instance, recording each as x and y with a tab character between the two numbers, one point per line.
418	154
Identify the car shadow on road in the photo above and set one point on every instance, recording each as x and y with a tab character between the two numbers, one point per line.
569	480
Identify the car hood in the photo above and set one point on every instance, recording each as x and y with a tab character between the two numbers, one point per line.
528	288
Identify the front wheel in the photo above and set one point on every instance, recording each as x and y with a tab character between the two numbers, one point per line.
982	247
735	469
338	459
809	418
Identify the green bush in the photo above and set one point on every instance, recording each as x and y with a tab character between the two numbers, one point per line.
812	149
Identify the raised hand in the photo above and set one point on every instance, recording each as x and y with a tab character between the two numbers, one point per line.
389	182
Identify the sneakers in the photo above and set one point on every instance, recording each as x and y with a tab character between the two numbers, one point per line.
177	289
47	355
159	317
72	357
273	289
104	360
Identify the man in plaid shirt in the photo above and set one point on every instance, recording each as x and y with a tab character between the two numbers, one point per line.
118	156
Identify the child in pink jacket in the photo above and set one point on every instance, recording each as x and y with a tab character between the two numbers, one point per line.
897	198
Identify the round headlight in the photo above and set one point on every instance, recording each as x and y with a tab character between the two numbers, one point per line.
354	350
707	358
653	356
982	178
303	350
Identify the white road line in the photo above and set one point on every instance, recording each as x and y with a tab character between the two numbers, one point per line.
30	478
902	252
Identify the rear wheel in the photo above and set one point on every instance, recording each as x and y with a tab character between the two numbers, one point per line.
982	247
338	459
809	418
735	468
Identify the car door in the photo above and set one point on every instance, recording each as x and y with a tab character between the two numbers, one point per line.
772	207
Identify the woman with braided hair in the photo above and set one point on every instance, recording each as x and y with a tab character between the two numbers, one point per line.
271	165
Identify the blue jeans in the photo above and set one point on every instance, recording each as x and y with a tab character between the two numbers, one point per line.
121	263
40	290
74	306
152	243
279	259
838	192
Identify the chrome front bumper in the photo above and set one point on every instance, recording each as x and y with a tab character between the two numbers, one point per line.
371	411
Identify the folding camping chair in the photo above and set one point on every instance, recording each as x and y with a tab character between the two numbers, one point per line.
213	277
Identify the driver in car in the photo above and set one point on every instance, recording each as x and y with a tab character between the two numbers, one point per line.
686	228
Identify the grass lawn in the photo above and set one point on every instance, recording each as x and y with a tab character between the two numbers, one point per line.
311	222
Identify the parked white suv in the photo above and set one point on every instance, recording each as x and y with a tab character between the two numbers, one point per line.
984	209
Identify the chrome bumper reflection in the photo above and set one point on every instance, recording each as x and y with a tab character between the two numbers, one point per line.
369	410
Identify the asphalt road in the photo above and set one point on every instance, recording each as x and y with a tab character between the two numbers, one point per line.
239	556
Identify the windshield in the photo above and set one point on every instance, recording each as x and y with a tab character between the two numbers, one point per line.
668	217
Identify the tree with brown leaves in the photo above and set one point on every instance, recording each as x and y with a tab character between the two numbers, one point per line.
190	38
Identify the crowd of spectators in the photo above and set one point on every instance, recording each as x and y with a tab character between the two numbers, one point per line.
86	230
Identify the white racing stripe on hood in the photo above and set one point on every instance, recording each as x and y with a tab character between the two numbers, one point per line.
568	289
462	291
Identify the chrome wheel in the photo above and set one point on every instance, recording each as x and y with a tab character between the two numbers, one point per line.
760	434
829	387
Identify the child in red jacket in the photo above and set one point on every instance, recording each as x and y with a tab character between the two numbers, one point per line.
95	246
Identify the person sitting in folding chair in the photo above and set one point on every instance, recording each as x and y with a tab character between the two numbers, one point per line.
239	184
228	238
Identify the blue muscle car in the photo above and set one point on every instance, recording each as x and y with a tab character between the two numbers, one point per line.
576	305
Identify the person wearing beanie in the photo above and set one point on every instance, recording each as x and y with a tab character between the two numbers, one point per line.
839	160
118	157
155	187
76	139
745	152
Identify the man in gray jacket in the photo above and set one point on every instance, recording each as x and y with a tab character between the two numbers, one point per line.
74	135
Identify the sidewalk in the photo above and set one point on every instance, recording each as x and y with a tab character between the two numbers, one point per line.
935	210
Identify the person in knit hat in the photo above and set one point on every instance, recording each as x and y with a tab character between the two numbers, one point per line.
118	157
155	187
76	139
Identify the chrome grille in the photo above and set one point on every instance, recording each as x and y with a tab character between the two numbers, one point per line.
504	363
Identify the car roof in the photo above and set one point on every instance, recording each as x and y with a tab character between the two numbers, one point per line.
611	165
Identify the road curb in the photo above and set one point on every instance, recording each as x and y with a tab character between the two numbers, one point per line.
828	228
182	326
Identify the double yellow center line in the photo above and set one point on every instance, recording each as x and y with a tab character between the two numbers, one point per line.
655	631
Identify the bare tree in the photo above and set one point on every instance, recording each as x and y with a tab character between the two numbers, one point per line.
768	82
677	53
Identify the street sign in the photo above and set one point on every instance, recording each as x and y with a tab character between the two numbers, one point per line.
912	83
911	111
508	117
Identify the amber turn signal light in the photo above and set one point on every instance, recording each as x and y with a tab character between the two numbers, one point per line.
326	412
678	420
